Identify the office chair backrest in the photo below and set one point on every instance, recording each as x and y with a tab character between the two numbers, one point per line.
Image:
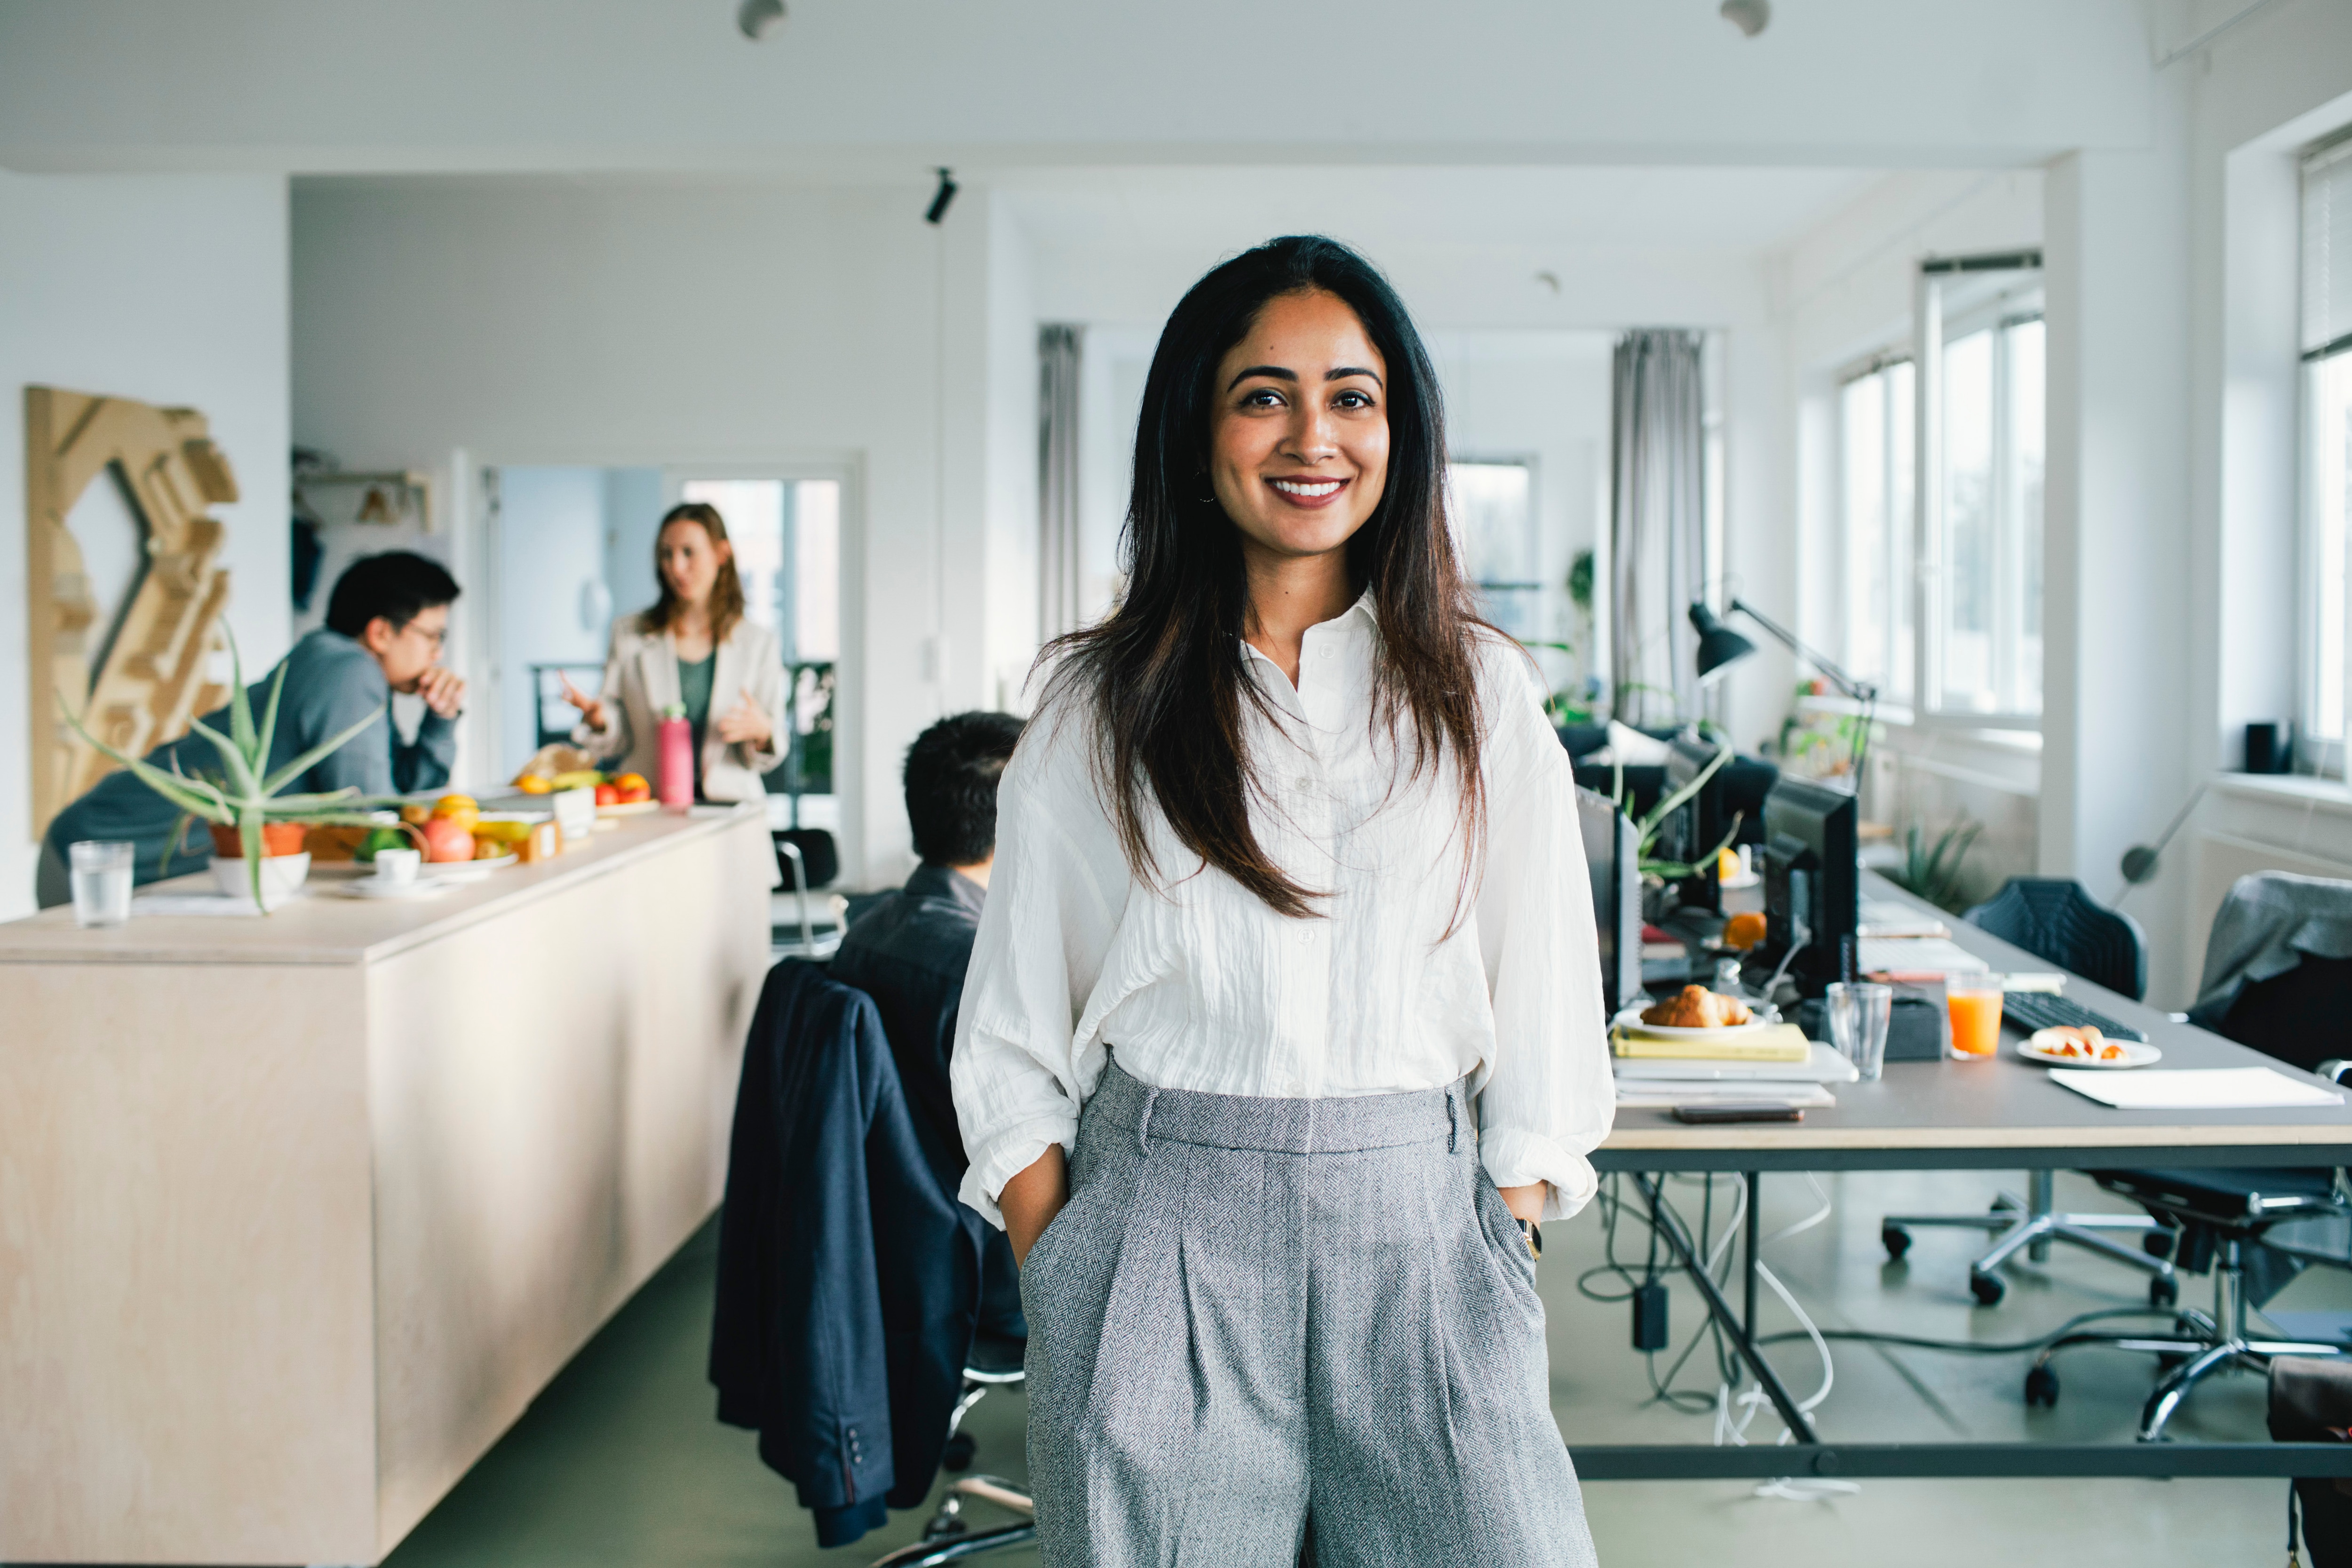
819	858
2053	917
2278	966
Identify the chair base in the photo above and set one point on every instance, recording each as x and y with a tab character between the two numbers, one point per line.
946	1537
2197	1359
2200	1345
2031	1227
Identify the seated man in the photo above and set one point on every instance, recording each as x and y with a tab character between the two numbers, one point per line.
909	952
385	623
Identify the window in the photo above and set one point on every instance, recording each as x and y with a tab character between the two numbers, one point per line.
2327	445
1493	510
1876	426
787	539
1991	566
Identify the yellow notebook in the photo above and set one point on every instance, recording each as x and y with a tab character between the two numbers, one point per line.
1778	1043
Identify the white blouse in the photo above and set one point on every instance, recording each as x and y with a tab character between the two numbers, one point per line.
1196	984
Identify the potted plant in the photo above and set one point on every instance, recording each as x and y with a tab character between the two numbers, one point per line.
242	805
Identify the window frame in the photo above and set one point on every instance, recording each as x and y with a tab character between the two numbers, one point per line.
1934	330
1900	530
2312	755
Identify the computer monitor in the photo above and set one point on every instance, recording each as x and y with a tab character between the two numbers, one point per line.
1812	881
1613	857
1694	827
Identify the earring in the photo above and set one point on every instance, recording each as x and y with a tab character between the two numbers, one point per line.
1209	498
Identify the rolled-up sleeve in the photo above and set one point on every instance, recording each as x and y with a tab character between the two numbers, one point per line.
1055	898
1546	1099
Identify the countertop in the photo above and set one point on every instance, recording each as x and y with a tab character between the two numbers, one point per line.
326	928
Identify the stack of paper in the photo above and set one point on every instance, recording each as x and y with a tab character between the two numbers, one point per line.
1774	1065
1909	955
2196	1089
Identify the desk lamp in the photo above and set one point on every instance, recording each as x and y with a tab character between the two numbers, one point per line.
1720	647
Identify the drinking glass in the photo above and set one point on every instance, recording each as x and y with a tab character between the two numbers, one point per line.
1975	1005
1858	1018
101	881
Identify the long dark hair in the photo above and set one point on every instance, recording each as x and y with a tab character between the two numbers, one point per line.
725	607
1163	677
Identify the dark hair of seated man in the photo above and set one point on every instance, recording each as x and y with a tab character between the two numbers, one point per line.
910	950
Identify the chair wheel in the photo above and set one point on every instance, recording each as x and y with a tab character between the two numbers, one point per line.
2041	1387
1988	1288
2156	1243
959	1455
2163	1291
1897	1240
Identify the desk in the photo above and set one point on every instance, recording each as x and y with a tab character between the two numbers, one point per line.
2001	1114
297	1214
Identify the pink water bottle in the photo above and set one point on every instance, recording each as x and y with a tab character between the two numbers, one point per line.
676	783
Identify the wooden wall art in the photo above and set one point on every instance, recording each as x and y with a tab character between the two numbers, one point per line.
129	649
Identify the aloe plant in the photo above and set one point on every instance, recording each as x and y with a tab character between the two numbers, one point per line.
245	794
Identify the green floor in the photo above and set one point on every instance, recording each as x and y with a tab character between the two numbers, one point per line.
620	1461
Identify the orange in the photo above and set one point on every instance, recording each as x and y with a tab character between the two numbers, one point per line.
1743	931
531	783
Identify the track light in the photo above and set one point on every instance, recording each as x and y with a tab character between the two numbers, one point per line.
1750	16
941	199
758	19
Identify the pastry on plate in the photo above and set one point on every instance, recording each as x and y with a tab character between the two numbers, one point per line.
1696	1007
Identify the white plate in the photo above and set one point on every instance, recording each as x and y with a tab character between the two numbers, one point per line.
461	870
1630	1020
2135	1053
370	887
628	808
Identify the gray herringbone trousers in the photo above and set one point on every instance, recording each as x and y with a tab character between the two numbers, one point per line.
1264	1324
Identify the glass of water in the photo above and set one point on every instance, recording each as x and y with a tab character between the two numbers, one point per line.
1858	1018
101	881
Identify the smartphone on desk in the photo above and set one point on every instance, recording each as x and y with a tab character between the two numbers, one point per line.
1760	1110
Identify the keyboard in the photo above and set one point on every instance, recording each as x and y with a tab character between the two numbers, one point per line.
2031	1010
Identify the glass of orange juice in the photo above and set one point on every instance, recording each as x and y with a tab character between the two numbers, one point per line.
1975	1004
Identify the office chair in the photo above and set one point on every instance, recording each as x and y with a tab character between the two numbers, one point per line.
2054	920
995	1362
2220	1219
2216	1214
795	852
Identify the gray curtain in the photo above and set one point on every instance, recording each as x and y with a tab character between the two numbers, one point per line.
1058	481
1658	510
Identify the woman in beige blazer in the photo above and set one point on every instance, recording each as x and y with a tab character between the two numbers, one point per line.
694	648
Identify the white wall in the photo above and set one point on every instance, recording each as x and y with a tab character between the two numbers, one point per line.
171	289
549	537
654	322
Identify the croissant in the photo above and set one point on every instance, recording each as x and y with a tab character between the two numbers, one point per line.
1695	1007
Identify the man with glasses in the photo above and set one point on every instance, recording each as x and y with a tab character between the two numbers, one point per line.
386	621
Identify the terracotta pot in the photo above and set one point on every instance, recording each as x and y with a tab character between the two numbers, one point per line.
277	838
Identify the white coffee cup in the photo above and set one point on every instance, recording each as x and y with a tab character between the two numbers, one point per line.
397	868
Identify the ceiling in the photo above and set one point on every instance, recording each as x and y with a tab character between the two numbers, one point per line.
1534	209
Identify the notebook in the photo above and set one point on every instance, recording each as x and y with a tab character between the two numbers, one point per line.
1778	1043
1638	1094
2196	1089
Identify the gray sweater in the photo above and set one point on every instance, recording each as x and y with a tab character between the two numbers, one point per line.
331	683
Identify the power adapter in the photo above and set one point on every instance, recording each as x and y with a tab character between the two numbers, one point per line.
1650	1316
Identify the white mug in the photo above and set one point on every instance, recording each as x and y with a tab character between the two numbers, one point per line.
397	868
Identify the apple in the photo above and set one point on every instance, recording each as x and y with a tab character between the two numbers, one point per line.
448	840
608	795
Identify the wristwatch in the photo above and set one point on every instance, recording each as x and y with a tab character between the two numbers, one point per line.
1532	1234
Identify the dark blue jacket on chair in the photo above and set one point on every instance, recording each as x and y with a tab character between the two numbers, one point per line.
849	1280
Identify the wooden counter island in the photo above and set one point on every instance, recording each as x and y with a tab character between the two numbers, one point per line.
298	1213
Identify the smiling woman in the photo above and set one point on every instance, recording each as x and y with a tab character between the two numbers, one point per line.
1282	1247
